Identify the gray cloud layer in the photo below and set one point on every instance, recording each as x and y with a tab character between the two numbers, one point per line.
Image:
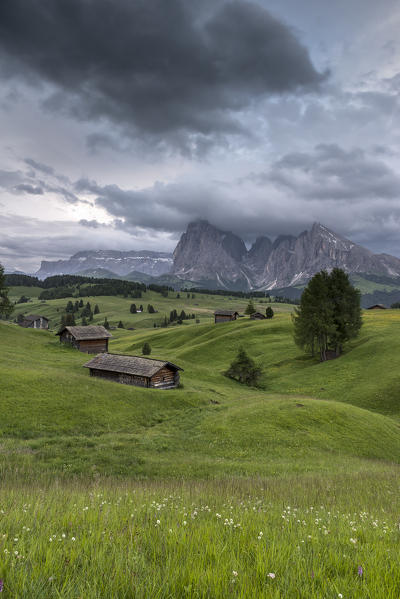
161	68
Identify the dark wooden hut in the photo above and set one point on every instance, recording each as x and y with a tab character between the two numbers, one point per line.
89	339
225	315
135	370
377	307
34	321
257	316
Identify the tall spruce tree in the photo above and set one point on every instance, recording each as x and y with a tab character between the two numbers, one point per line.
250	309
6	306
329	314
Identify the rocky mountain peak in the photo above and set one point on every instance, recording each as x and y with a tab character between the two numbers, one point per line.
205	253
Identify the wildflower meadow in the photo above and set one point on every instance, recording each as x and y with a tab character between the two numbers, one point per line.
266	538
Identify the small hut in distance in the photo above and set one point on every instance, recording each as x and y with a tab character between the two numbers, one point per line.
89	339
225	315
34	321
377	307
257	316
135	370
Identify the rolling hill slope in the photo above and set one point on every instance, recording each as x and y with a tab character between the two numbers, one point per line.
306	417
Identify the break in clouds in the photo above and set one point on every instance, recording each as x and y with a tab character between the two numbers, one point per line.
123	121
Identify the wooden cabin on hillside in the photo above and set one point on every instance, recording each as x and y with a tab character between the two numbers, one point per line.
34	321
257	316
225	315
89	339
377	307
135	370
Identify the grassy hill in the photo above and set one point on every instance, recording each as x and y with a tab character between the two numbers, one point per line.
210	490
118	308
305	417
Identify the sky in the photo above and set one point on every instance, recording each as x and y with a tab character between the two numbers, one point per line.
121	121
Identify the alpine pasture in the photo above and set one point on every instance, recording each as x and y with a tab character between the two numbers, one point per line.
213	489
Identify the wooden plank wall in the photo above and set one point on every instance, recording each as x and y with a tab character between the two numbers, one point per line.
93	346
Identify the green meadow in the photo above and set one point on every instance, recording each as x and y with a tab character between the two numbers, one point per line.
166	493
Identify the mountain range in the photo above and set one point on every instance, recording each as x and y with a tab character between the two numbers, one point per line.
105	263
213	258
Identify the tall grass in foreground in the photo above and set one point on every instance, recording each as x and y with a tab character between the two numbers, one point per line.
320	537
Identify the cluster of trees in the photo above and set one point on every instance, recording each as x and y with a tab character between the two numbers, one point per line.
162	289
227	293
57	293
23	299
133	309
395	305
329	314
16	280
175	317
112	287
79	309
251	309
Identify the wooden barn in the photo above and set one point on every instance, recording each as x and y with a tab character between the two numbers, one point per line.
89	339
377	307
257	316
34	321
225	315
135	370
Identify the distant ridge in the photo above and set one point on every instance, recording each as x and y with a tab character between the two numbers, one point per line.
112	261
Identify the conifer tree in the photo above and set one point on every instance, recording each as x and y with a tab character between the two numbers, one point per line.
250	309
96	309
244	370
146	349
133	309
6	307
120	325
329	314
70	320
269	313
106	324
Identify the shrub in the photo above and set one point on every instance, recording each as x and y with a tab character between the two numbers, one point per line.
146	349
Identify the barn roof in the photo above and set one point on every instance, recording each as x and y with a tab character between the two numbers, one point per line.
88	332
146	367
257	315
225	312
33	317
381	306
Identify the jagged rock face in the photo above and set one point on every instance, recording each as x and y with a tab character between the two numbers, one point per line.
119	263
202	255
258	255
296	260
205	253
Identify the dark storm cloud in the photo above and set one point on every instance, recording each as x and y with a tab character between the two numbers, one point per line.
331	172
154	67
26	182
31	189
39	166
